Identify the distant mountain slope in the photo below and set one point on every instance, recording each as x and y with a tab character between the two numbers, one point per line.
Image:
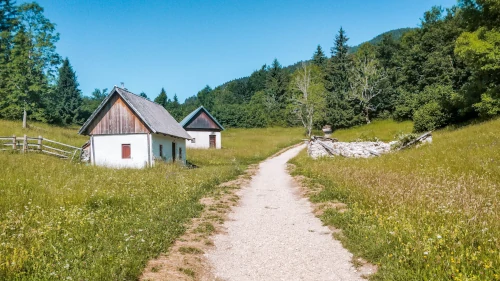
396	35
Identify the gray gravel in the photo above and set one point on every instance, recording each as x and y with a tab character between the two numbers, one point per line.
273	234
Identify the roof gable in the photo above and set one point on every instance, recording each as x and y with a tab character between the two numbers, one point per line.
200	118
154	116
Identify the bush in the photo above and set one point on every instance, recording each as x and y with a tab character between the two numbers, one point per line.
429	117
402	113
488	106
404	139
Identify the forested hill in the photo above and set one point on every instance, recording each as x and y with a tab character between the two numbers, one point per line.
441	73
395	33
446	71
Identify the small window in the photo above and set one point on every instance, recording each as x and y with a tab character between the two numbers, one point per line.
193	140
161	150
126	151
180	153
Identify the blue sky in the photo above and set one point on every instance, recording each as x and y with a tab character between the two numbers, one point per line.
184	45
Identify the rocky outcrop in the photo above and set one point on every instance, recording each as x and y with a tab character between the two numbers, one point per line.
326	148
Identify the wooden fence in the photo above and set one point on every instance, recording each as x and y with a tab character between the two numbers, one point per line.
39	144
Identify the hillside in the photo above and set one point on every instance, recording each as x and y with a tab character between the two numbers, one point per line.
427	213
395	33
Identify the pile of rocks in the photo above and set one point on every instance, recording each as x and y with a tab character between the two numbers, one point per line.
325	147
328	147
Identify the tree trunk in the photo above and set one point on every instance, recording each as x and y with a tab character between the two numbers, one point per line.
24	118
367	112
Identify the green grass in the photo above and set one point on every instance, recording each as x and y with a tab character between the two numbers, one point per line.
426	213
67	135
384	130
60	220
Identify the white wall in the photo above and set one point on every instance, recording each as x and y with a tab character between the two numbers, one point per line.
166	141
202	139
108	150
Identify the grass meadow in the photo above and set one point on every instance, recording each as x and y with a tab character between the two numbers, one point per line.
63	220
425	213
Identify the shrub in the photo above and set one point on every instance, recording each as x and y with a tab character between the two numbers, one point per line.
488	106
404	139
401	113
429	117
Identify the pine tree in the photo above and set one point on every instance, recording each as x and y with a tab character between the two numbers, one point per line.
142	94
31	65
319	58
24	83
162	98
340	111
68	98
8	21
276	92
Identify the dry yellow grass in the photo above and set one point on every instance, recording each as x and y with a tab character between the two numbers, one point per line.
61	220
428	213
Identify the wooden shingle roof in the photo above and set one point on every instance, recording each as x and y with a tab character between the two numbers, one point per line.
191	118
154	116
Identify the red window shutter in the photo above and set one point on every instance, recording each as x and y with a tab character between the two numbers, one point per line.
125	151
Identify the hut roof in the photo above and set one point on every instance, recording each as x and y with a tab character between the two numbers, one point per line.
188	119
154	116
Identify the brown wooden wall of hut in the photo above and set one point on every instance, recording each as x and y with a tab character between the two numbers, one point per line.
203	121
116	118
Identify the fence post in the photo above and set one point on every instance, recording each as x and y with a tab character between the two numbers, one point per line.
25	144
40	143
14	144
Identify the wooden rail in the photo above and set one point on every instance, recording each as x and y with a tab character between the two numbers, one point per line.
39	144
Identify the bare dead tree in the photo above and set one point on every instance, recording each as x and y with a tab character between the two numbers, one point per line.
365	78
310	98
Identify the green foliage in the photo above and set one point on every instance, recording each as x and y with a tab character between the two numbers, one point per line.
341	112
308	96
90	104
488	106
429	213
319	58
142	94
395	34
404	139
29	62
162	98
65	104
480	49
429	117
454	51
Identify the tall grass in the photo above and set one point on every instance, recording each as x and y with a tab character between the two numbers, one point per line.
67	135
60	220
427	213
384	130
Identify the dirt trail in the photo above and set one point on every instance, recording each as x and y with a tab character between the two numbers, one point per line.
273	235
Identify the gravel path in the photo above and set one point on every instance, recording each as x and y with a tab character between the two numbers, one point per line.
273	234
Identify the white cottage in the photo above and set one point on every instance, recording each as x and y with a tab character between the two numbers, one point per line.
203	128
129	131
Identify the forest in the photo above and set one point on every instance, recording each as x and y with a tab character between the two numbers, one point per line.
446	71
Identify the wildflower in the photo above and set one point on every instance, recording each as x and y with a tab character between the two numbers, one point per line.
439	236
426	253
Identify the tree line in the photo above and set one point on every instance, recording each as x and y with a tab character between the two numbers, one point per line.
443	72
